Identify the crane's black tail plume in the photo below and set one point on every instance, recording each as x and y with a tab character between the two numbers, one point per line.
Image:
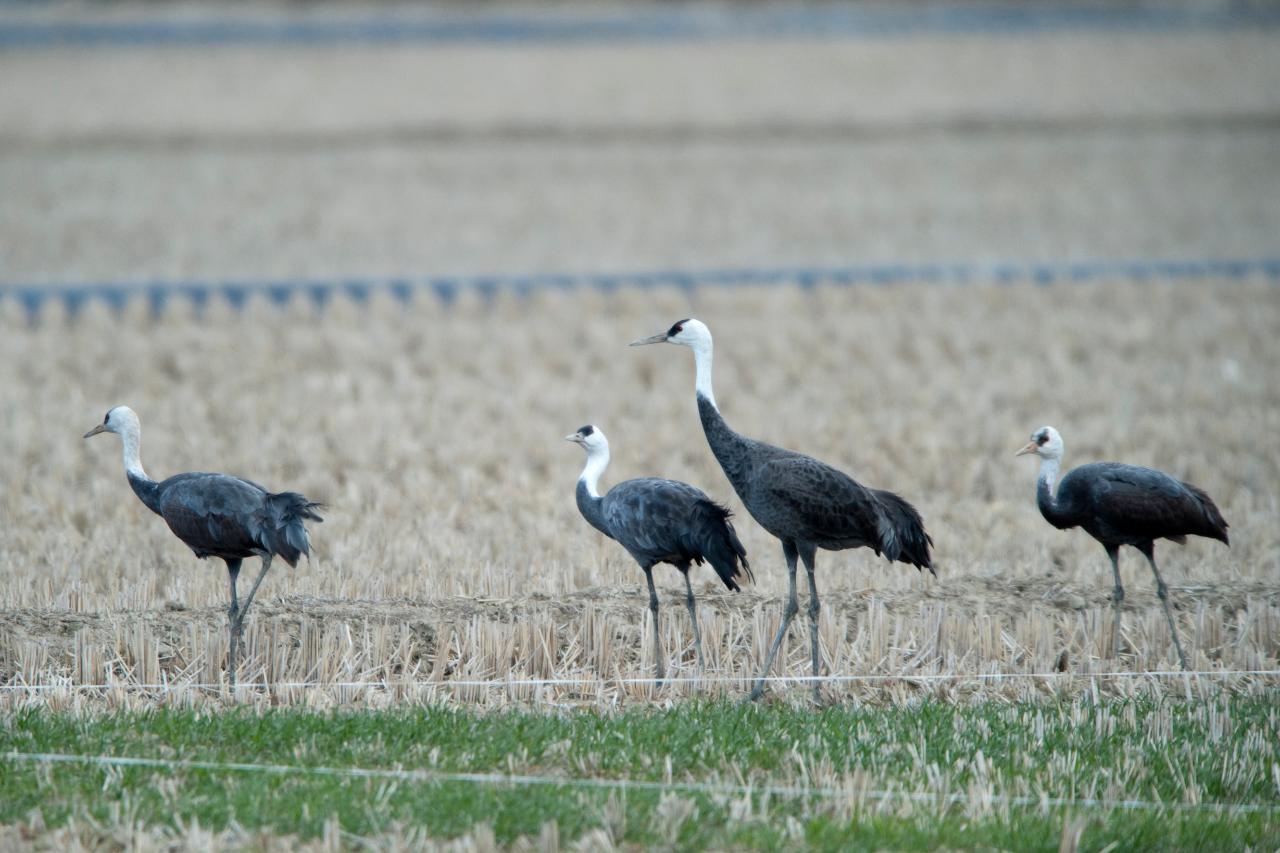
902	534
713	537
1215	526
281	529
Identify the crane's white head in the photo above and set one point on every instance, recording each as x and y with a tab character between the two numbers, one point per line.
120	420
124	422
695	335
689	333
1045	443
589	438
592	440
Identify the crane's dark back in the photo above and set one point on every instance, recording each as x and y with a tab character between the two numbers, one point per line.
801	499
667	521
218	515
1122	504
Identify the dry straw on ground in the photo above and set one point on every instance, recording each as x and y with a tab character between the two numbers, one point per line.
452	548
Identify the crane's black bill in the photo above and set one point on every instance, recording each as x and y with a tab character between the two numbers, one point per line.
652	339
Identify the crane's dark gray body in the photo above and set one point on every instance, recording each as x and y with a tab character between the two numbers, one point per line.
808	503
1121	504
660	521
666	521
218	515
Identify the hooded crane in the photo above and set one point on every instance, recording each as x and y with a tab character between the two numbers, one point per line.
1121	504
803	502
218	515
660	521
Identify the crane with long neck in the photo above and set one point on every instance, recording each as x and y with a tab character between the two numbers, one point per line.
805	503
1120	504
218	515
660	521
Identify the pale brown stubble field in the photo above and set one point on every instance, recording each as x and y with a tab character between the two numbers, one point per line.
452	547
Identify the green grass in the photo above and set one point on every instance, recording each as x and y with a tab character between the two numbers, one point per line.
1222	750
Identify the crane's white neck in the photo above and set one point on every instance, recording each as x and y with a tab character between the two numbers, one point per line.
597	461
702	352
131	439
1049	467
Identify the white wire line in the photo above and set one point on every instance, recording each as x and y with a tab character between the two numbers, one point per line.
588	782
605	681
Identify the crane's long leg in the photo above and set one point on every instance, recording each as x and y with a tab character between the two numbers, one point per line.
693	618
789	552
1148	550
1117	597
253	590
233	569
807	553
653	608
237	623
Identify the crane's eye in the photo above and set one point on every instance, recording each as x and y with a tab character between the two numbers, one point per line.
107	419
586	431
1043	438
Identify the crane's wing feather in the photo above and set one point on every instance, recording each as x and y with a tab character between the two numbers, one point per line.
1147	503
826	504
645	514
827	507
212	513
659	520
901	522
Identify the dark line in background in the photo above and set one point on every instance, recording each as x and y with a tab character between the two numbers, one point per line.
649	24
648	134
118	295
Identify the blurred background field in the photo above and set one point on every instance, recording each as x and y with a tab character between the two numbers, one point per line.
278	158
174	145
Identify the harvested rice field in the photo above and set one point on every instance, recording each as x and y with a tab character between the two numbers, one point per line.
452	548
